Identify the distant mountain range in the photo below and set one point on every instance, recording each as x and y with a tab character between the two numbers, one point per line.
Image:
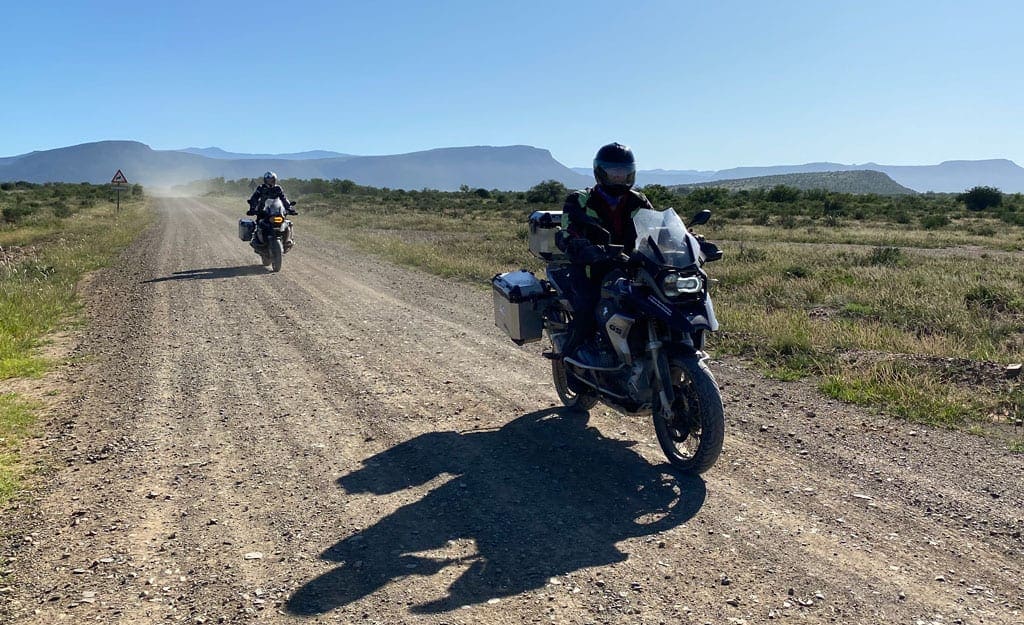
946	177
514	167
859	181
294	156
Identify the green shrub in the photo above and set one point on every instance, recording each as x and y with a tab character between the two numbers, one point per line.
659	195
707	195
14	214
547	192
934	222
983	230
797	271
62	210
783	194
993	298
980	198
901	217
833	205
882	255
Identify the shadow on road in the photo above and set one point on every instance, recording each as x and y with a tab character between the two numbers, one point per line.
212	273
543	496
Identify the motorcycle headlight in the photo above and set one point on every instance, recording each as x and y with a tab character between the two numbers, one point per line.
277	220
675	284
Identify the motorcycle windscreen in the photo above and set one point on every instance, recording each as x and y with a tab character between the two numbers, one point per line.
662	236
273	206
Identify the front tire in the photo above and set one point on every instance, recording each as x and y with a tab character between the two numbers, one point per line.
276	253
692	440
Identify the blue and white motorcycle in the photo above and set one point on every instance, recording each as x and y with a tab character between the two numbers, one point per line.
653	315
270	234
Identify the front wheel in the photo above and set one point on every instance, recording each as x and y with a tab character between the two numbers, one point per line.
574	394
692	436
276	252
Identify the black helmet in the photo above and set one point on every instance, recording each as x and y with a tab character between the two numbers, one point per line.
270	178
615	168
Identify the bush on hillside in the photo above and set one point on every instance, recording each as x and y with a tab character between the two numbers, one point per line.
707	195
783	194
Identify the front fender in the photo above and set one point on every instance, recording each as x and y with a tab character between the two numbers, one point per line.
686	319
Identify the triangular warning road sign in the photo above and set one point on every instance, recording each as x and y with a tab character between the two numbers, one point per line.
118	178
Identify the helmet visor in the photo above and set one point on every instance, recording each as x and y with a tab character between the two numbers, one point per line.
616	173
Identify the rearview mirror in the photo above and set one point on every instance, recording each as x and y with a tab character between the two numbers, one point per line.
701	218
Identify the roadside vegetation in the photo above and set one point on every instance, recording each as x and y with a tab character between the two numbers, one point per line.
911	304
50	236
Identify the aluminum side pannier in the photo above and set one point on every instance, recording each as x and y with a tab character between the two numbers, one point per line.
519	300
246	227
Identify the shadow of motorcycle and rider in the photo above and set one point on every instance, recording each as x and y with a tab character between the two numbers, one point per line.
211	273
543	496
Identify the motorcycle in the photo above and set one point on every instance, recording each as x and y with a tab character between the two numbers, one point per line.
653	315
270	234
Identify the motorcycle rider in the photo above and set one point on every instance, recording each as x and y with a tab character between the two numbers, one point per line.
270	190
610	204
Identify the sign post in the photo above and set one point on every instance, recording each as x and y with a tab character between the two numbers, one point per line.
120	183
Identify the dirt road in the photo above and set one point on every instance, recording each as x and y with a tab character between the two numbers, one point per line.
353	442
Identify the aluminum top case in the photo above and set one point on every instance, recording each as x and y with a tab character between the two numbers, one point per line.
519	299
544	227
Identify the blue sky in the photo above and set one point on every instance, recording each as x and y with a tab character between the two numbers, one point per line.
690	85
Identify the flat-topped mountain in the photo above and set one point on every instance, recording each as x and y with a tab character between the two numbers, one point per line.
946	177
860	181
509	168
292	156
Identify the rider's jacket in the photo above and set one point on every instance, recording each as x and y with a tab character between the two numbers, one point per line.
265	192
614	214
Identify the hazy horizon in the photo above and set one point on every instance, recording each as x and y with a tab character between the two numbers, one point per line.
276	156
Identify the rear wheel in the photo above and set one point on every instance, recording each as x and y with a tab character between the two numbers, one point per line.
276	252
692	436
572	392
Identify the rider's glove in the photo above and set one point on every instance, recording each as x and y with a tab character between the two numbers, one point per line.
592	254
291	211
251	211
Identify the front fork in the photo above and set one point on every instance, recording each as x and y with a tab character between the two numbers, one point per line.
662	381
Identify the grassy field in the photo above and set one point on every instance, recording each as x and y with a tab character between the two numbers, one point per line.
912	305
50	237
